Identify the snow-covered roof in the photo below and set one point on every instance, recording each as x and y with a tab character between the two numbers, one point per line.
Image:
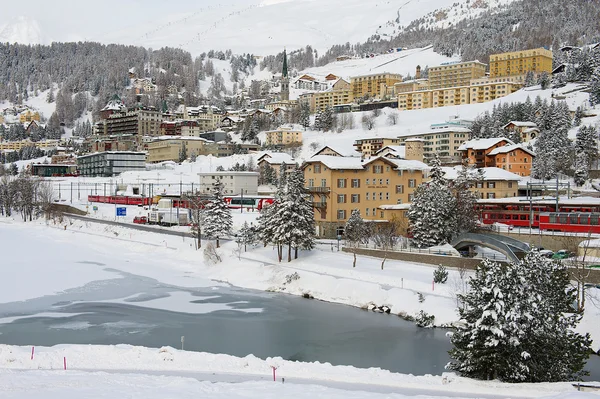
531	129
509	148
488	174
276	158
345	149
400	207
185	138
546	200
402	164
115	104
448	129
482	144
520	124
333	162
398	150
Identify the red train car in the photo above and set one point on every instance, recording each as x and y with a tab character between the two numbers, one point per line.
120	200
575	222
253	202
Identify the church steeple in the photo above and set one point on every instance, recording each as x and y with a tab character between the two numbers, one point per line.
284	73
285	81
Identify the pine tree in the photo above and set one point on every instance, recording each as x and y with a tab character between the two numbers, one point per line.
305	115
355	232
520	324
14	169
544	80
595	87
578	116
431	213
217	216
246	236
586	153
529	79
182	152
466	219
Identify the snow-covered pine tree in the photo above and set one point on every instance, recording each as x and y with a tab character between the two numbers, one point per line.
577	117
431	213
217	216
354	232
520	324
466	219
304	115
544	80
182	152
586	153
529	79
246	236
595	87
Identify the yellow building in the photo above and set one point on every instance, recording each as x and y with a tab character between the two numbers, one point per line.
169	148
19	145
339	185
368	147
496	183
455	74
339	94
518	63
371	85
28	116
488	89
283	136
444	142
450	96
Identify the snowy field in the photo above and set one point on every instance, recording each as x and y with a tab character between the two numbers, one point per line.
135	372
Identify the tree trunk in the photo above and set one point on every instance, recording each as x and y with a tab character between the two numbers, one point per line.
289	253
218	242
296	253
354	262
384	258
279	252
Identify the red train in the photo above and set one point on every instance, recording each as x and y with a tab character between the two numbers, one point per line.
572	215
120	200
252	202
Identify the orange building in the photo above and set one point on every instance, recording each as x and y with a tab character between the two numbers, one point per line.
475	151
513	158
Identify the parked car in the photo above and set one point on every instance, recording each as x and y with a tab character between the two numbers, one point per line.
546	253
140	220
562	254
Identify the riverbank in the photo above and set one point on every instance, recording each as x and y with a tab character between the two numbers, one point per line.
204	366
325	273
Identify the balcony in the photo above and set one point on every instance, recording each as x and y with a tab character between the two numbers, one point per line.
318	189
319	205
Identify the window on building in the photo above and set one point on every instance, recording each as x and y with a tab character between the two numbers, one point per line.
510	184
491	184
323	182
412	183
341	214
387	196
317	168
341	183
355	183
378	169
367	212
400	189
311	182
367	197
491	195
341	198
368	181
411	197
355	198
380	196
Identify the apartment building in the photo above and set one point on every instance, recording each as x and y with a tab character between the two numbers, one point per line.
339	185
368	147
283	136
138	121
488	89
480	152
234	183
180	128
275	160
168	148
29	116
110	163
339	94
518	63
496	183
445	142
19	145
372	85
455	74
514	158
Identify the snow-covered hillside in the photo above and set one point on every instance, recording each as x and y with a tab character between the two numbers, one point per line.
21	30
444	16
244	26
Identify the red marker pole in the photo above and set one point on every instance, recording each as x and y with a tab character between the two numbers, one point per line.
433	285
65	362
274	368
32	350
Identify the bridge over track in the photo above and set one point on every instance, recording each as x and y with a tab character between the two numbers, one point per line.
513	249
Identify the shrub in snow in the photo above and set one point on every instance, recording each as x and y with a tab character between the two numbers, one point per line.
421	297
440	275
292	277
211	255
424	319
519	324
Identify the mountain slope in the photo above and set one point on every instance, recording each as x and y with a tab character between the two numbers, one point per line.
22	30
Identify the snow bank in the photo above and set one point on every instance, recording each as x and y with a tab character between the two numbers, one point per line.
167	359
